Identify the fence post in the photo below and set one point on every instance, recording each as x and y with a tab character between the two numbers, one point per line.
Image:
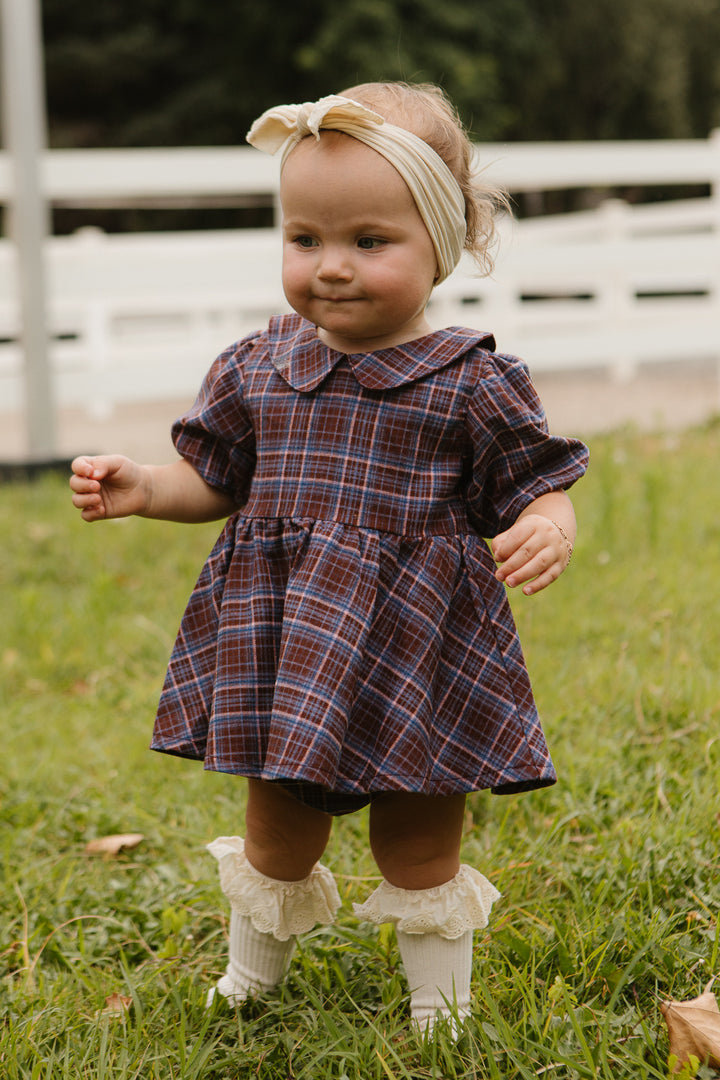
24	129
714	144
616	298
95	330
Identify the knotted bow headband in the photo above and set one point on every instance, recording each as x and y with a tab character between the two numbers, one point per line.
435	190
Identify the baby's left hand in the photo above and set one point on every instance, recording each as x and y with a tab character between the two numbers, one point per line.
532	553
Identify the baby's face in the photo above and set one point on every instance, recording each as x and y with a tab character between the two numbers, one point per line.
358	261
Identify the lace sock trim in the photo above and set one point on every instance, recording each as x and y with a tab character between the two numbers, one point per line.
281	908
449	910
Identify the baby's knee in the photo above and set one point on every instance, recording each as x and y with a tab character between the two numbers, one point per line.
283	838
415	840
409	867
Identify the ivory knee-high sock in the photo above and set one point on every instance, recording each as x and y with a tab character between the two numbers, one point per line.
438	973
434	930
266	915
256	961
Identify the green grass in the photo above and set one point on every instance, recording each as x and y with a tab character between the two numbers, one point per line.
611	879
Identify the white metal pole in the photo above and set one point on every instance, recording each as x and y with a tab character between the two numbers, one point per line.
24	128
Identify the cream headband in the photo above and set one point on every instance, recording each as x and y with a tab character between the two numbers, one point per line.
433	187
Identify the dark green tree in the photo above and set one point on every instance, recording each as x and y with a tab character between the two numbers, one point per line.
123	73
621	69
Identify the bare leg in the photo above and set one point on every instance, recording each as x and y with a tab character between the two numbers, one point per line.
275	886
415	839
434	902
283	838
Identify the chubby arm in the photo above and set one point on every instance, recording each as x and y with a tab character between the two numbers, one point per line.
112	486
533	552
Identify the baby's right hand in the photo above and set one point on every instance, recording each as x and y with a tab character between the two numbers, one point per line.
108	486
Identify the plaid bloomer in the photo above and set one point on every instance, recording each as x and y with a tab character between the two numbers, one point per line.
347	632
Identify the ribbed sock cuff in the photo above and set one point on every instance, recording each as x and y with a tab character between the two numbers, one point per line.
257	961
438	972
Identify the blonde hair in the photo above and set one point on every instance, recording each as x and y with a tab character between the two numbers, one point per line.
424	109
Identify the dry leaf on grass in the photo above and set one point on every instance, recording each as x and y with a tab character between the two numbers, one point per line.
694	1028
116	1005
113	845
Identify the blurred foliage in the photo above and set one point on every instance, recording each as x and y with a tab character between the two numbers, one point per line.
128	74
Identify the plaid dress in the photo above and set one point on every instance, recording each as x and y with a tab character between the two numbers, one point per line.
347	629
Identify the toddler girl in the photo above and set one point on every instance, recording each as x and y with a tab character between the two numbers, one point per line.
349	640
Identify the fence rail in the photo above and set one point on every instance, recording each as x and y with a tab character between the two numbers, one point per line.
139	316
83	176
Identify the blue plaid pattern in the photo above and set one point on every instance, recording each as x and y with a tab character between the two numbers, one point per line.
347	629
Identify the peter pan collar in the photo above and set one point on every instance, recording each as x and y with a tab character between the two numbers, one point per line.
298	354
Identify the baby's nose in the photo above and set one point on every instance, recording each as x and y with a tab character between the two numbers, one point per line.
334	263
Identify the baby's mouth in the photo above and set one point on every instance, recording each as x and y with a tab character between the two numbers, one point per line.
337	299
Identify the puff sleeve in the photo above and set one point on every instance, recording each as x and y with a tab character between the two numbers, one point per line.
514	459
216	435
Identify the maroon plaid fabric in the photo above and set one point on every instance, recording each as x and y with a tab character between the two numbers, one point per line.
347	629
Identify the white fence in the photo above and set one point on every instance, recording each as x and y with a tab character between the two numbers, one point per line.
140	316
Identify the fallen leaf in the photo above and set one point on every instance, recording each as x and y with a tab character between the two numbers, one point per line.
113	845
116	1005
694	1028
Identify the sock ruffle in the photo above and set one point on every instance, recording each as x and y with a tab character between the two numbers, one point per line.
281	908
450	910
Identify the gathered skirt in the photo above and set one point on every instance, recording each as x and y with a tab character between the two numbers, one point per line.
363	662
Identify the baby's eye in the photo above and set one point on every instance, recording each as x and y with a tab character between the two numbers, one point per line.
369	243
305	241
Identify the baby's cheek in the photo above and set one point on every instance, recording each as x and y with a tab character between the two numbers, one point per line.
294	274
